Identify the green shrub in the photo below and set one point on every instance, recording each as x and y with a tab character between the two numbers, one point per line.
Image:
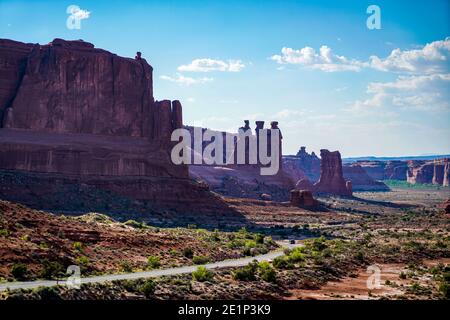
153	262
4	232
82	261
135	224
126	266
359	256
259	238
48	293
267	272
282	263
52	269
200	259
202	274
444	289
19	271
319	244
296	255
188	253
250	244
148	288
247	273
78	246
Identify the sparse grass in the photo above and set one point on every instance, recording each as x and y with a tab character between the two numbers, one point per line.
200	259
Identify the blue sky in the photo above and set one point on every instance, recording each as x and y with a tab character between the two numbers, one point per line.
224	61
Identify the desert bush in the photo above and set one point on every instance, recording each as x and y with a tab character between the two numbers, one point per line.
202	274
259	238
269	241
135	224
235	243
51	269
319	244
148	288
83	262
296	255
4	233
153	262
250	244
200	259
78	246
247	273
267	272
444	290
19	271
126	266
48	293
188	253
282	263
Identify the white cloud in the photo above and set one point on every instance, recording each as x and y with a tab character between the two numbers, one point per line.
78	13
433	58
324	60
190	99
186	81
340	89
288	113
208	65
424	92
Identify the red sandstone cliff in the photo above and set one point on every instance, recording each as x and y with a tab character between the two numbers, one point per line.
429	172
75	114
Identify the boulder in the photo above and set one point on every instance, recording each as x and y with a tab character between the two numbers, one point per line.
303	198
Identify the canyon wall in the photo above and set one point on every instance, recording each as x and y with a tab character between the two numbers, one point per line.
75	114
429	172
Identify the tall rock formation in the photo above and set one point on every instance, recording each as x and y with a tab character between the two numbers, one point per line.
243	180
331	176
77	114
446	179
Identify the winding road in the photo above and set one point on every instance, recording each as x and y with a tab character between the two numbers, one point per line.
153	273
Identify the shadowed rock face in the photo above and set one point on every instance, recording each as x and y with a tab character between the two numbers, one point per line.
331	176
360	180
73	111
385	170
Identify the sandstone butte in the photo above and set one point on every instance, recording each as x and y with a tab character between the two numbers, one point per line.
75	115
331	176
